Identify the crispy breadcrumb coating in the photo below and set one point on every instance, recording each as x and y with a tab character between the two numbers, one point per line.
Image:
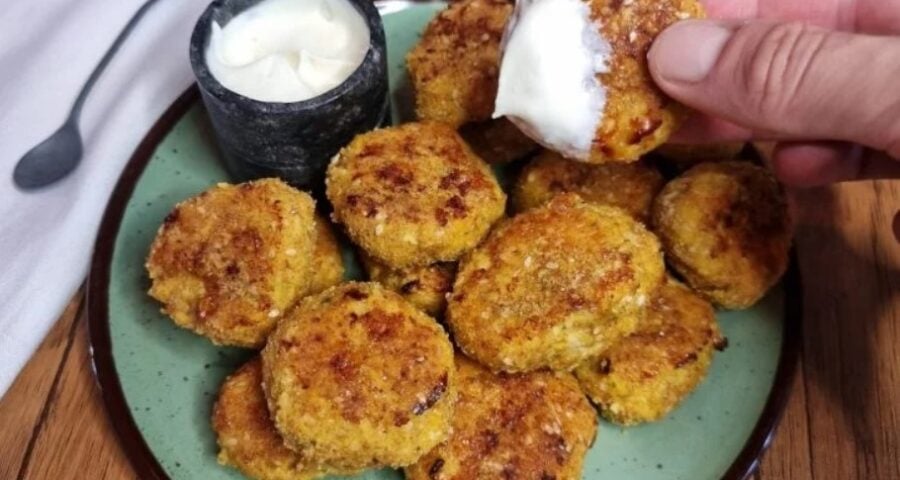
554	286
726	230
414	194
644	376
357	378
454	67
531	426
229	262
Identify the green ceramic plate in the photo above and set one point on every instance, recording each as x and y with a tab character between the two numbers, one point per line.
159	382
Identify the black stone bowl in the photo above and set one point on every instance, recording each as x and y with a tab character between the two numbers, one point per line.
294	141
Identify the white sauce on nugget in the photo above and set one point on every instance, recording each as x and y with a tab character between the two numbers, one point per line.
548	87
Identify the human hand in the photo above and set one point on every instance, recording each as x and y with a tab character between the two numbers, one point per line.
821	77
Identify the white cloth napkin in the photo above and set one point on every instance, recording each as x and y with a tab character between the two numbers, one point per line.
47	50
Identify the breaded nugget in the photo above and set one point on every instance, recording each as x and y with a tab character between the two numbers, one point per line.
638	117
647	374
532	426
426	288
227	263
358	378
726	230
454	66
246	436
414	194
497	141
630	187
554	286
327	263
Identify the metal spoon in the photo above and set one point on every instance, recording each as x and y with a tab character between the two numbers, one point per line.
58	155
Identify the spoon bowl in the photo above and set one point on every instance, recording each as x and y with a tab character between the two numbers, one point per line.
56	157
50	160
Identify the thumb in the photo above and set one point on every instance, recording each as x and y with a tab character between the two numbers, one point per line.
786	80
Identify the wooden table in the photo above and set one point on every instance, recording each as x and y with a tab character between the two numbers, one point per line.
842	422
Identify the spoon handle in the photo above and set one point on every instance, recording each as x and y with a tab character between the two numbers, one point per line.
98	70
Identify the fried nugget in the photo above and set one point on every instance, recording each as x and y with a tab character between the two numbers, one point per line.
497	141
246	436
413	195
579	83
554	286
647	374
638	117
454	66
531	426
355	377
426	288
726	230
327	263
630	187
227	263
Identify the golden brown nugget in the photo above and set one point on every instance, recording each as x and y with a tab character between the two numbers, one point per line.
327	263
497	141
646	375
531	426
246	436
638	117
554	286
358	378
227	263
726	230
454	66
631	187
574	76
426	288
414	194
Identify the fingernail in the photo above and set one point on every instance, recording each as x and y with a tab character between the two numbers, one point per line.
687	51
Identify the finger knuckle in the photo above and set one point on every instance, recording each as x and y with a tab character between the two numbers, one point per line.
776	70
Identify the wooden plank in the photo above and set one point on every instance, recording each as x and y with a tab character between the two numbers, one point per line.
789	456
26	400
77	440
849	255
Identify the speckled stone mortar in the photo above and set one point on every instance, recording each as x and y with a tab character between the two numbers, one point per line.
296	140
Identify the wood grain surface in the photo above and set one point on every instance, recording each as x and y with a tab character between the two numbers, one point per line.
842	422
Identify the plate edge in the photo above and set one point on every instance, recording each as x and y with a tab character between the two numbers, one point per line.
145	463
748	460
132	441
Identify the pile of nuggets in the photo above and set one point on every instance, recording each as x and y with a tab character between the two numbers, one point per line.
487	328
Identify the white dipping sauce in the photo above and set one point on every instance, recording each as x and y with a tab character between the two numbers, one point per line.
288	50
552	53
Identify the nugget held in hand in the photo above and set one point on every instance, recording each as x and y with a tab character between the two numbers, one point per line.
414	194
574	76
454	66
726	230
644	376
531	426
248	441
357	378
554	286
631	187
227	263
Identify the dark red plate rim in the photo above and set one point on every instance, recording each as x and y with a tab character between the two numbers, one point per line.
142	458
